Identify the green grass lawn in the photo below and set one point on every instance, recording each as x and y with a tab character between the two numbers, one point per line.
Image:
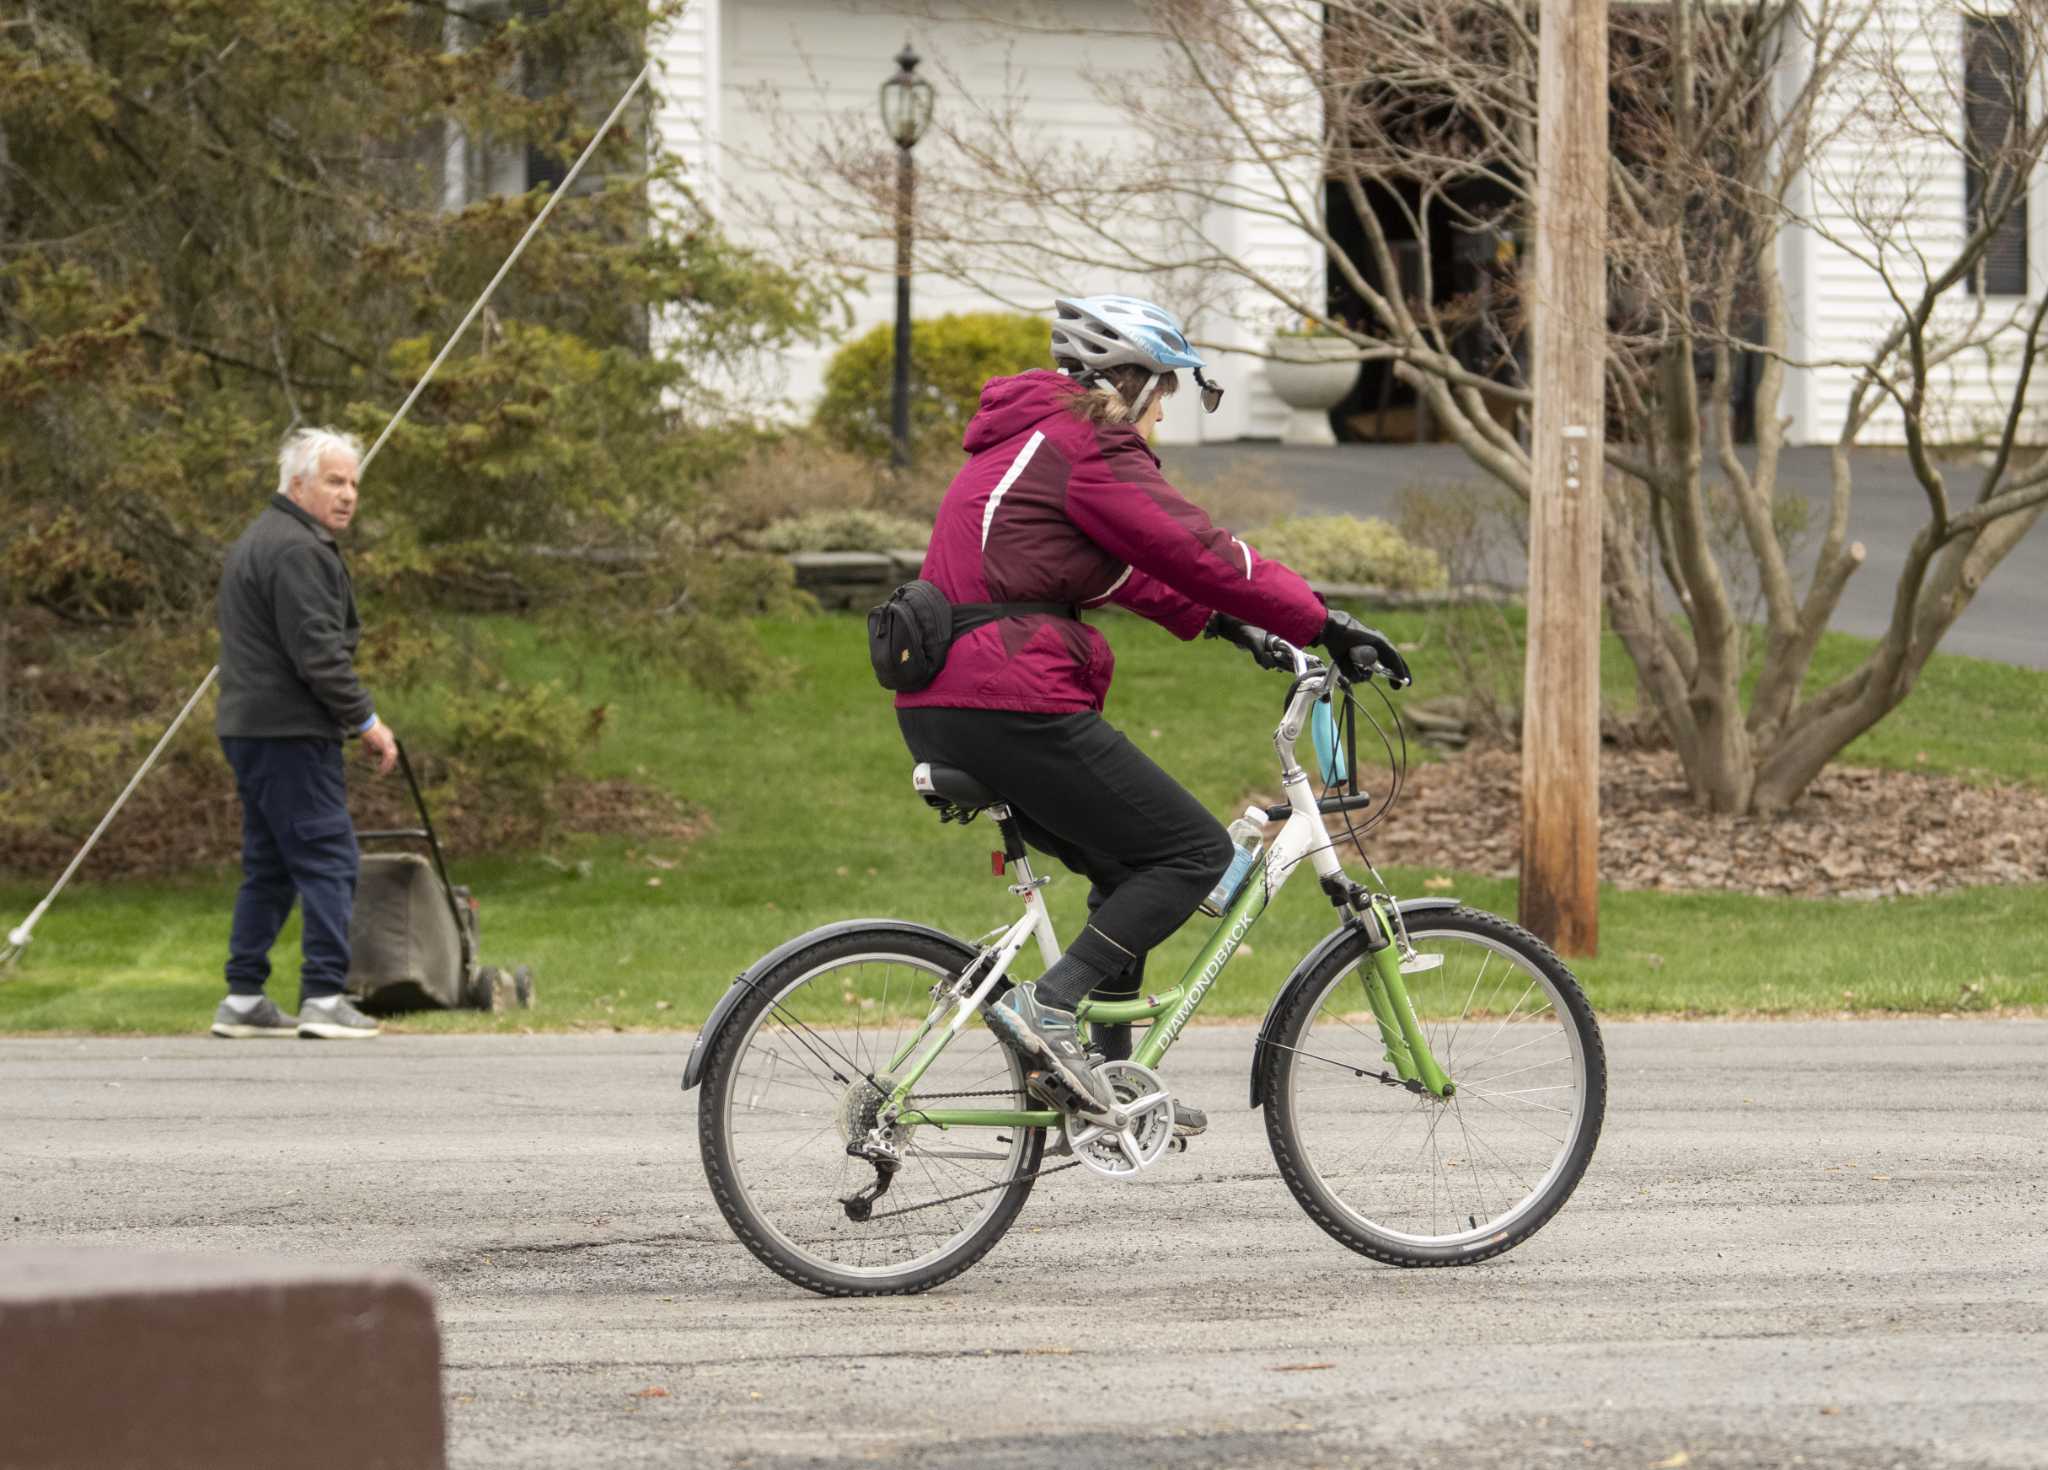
814	820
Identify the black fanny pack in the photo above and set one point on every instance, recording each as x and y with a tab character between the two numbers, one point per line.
910	634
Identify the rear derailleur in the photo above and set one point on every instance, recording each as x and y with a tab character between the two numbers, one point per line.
877	1150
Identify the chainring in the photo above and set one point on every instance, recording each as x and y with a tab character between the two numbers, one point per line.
1122	1152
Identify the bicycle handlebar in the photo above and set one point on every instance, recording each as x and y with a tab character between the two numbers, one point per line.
1271	651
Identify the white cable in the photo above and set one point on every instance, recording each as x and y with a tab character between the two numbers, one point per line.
554	198
17	938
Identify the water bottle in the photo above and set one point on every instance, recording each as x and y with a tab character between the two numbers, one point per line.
1248	837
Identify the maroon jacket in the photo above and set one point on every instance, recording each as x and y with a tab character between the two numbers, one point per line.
1052	508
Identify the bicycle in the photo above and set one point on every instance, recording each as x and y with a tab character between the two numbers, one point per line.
1432	1077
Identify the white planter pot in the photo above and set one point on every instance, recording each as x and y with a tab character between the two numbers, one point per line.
1311	375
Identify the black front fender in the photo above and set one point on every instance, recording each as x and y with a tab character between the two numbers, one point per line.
1263	1052
722	1012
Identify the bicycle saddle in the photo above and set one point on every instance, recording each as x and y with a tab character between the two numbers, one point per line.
949	787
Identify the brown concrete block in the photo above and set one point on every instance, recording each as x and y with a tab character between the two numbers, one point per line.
112	1359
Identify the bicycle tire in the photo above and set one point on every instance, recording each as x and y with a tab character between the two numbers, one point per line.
793	1220
1454	1165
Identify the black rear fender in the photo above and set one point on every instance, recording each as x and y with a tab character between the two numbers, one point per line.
748	978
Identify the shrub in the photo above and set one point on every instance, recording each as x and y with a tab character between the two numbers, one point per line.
845	530
800	474
1355	549
950	358
499	756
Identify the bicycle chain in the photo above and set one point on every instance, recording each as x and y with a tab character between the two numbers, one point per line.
986	1188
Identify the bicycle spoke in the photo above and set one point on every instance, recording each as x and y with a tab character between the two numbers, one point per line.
1523	1121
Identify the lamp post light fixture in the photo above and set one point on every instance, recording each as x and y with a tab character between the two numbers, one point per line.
906	113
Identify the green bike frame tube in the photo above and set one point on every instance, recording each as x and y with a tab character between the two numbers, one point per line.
1112	1012
1251	901
981	1118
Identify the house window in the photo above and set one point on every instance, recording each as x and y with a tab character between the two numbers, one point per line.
1994	115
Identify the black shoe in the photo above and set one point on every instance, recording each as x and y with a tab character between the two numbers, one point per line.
1187	1121
1110	1040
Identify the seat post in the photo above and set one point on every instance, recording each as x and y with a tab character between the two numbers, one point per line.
1013	839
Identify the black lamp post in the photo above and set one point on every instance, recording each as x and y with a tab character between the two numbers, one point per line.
906	113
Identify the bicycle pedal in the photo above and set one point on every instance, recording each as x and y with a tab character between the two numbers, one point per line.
1052	1088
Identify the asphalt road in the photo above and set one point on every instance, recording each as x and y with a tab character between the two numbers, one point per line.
1809	1243
2008	619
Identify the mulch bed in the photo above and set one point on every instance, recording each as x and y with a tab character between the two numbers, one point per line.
1856	833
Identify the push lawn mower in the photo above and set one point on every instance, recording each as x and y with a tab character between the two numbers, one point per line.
413	937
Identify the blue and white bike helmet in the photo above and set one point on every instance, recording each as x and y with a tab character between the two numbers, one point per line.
1092	334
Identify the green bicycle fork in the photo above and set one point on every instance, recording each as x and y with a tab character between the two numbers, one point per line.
1407	1048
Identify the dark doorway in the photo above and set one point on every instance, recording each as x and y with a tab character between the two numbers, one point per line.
1466	252
1466	270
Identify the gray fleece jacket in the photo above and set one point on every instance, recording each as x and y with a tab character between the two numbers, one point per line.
288	633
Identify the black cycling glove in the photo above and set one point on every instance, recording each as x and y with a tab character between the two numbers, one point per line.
1360	650
1253	641
1232	630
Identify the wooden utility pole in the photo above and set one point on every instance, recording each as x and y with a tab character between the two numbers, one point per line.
1568	352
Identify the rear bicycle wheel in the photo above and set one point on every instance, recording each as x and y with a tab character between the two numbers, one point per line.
1405	1177
799	1070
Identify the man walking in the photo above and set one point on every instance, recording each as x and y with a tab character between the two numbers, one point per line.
289	696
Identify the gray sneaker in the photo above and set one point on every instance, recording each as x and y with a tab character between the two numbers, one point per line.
264	1019
1045	1036
334	1019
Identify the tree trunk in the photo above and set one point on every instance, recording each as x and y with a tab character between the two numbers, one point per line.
1784	772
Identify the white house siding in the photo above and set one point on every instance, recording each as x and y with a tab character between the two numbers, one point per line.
825	59
1840	304
687	122
1270	248
1278	252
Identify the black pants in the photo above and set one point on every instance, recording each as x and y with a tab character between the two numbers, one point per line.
297	840
1084	793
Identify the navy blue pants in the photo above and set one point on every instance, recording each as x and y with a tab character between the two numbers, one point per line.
297	842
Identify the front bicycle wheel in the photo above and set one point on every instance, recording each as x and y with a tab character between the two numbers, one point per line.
1399	1174
798	1072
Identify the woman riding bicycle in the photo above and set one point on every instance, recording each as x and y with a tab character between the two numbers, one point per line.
1061	501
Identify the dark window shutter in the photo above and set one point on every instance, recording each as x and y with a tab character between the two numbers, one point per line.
1994	114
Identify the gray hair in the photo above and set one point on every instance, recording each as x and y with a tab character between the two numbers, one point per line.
303	449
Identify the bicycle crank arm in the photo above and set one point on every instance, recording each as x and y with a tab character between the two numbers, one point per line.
1049	1086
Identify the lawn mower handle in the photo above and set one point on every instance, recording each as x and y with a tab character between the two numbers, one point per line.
425	831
